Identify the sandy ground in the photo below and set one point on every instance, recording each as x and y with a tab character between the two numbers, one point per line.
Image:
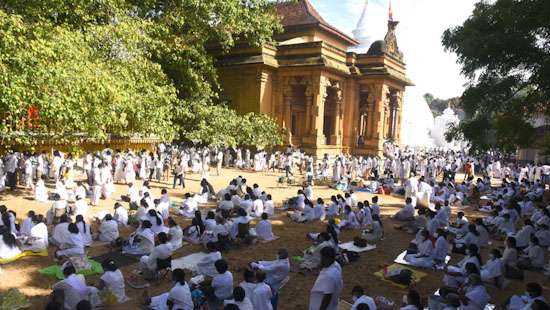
24	275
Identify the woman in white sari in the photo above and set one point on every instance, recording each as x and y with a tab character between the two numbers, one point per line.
423	258
142	241
456	275
108	229
84	230
8	245
494	268
175	234
73	245
40	190
112	282
37	240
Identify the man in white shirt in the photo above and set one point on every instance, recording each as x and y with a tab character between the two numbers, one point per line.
222	284
276	270
359	297
261	296
325	293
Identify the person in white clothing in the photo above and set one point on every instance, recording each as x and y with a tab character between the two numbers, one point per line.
189	206
37	240
148	263
80	206
263	229
359	297
269	206
222	284
325	293
411	301
73	289
175	234
84	230
120	215
206	265
73	244
276	270
262	294
240	300
112	281
108	229
8	245
407	213
179	297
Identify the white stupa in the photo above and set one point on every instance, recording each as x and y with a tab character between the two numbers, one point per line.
361	32
441	125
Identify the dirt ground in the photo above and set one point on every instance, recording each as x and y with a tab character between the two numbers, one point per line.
23	274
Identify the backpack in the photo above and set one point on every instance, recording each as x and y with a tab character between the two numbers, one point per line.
359	242
404	277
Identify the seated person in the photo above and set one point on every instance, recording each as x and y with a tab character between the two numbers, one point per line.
461	226
263	229
493	270
455	275
179	297
58	209
80	206
407	213
349	220
359	297
193	233
306	215
60	231
312	256
188	206
375	232
141	241
108	229
423	257
8	244
222	285
226	203
120	215
156	220
84	230
73	289
533	256
112	282
526	301
543	234
269	206
148	263
240	300
73	244
37	241
206	266
163	205
175	234
276	270
471	237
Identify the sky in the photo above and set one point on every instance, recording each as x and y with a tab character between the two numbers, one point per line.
422	23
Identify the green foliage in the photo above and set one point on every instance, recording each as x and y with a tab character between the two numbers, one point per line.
504	49
437	105
218	125
102	67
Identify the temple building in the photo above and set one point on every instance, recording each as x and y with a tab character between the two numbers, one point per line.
318	84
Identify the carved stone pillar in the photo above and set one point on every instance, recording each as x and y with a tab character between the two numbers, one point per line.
317	93
286	110
336	137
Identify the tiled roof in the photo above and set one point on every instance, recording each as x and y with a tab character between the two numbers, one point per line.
302	13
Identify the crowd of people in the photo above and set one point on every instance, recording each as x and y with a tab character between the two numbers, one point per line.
508	201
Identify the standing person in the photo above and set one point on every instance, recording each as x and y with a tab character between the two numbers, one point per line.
288	165
11	170
179	174
325	293
219	161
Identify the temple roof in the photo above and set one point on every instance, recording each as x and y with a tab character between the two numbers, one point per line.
301	14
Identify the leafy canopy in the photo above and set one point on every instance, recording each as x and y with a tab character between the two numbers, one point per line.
122	67
504	50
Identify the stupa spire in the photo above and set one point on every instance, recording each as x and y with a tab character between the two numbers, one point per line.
361	33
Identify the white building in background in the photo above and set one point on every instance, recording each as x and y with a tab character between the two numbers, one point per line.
361	32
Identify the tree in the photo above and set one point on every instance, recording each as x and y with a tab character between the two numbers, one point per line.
504	50
101	67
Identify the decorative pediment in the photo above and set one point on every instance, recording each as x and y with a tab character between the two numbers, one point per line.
390	41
